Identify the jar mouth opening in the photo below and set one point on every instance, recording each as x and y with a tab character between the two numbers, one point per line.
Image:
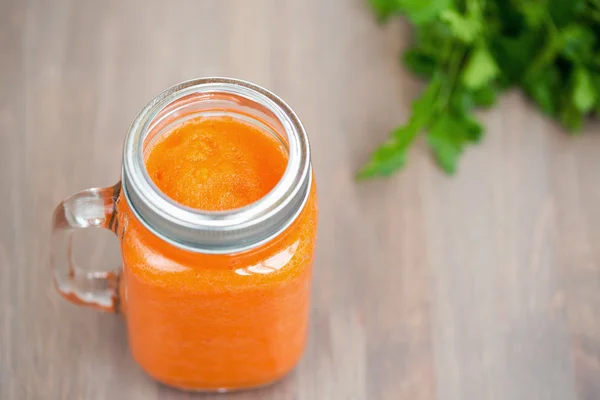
216	231
157	133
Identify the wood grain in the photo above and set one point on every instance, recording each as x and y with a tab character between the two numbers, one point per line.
483	286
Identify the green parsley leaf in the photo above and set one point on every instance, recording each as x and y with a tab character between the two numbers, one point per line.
419	11
432	38
464	28
485	96
473	130
388	158
480	69
447	138
422	110
543	87
534	11
584	92
423	11
578	43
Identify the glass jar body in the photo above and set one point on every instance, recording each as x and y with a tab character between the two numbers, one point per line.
213	300
213	322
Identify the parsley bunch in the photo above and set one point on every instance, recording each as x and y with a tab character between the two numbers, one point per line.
470	51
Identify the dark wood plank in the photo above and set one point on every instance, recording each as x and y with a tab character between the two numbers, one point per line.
484	286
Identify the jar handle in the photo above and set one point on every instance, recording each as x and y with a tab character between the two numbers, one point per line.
91	208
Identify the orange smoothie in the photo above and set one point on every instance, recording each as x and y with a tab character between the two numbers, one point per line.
217	321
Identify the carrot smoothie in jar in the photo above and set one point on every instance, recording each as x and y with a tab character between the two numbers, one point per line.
218	321
216	217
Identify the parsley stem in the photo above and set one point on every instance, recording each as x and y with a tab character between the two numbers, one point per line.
456	59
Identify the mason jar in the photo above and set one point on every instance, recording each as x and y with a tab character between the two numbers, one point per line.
213	300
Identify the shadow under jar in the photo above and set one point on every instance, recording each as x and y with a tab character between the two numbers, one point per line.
213	300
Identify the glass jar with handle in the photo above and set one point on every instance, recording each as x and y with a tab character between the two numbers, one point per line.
215	299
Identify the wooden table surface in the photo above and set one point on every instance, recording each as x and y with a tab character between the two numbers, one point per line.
483	286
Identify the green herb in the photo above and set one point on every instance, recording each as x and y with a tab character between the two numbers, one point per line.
470	51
